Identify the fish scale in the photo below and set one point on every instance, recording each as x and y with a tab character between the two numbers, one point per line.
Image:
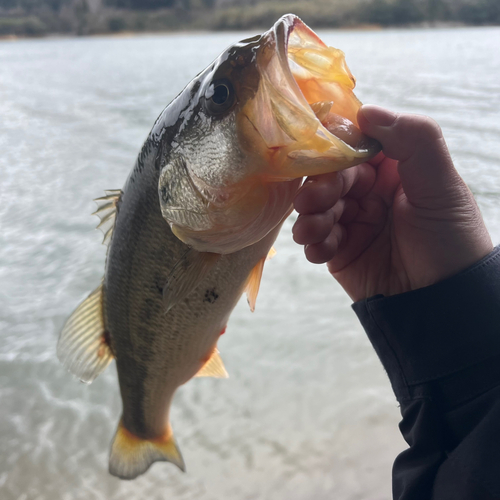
170	345
197	218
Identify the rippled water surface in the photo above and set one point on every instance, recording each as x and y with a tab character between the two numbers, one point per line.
308	411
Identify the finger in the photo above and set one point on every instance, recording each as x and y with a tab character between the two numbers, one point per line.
377	160
350	211
362	183
314	228
321	192
425	166
324	251
387	181
361	232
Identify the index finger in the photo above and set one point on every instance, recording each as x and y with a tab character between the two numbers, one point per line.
321	192
377	159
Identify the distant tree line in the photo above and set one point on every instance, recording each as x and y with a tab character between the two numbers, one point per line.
401	12
82	17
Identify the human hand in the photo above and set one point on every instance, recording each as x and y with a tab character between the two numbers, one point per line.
402	221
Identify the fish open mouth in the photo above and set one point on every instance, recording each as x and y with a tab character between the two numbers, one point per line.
310	126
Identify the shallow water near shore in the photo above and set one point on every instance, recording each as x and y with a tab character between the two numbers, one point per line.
307	411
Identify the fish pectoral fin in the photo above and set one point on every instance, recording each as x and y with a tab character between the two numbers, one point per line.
83	345
106	211
253	283
132	456
214	367
271	253
186	275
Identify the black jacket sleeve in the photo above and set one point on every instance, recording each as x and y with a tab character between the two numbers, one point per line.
440	346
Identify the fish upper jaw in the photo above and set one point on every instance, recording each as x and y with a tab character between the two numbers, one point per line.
303	117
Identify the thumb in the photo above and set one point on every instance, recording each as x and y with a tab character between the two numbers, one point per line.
427	173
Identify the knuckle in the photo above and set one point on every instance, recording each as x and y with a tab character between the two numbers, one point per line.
430	129
414	130
418	124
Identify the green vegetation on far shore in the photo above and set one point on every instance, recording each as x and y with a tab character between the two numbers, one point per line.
87	17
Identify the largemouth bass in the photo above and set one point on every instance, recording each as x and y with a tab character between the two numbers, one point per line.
193	225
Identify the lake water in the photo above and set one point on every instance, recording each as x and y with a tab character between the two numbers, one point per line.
307	412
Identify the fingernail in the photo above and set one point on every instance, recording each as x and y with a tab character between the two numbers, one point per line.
378	116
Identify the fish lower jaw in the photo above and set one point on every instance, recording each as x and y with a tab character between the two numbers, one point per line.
227	238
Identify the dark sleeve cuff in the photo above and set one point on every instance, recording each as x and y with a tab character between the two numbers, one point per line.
441	341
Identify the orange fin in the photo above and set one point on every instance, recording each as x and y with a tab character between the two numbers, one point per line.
253	283
83	346
214	367
132	456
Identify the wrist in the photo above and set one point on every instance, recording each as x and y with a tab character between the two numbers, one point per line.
434	332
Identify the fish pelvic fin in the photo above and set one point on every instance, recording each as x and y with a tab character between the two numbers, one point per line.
253	283
214	367
132	456
254	279
83	345
106	211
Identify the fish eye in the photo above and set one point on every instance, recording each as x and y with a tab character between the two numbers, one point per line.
221	94
222	98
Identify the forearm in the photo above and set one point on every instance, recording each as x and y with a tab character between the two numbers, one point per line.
440	346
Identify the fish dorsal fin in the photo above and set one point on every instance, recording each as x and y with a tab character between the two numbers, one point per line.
186	275
214	367
132	456
106	211
83	347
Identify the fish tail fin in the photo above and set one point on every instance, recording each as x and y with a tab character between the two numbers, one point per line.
132	456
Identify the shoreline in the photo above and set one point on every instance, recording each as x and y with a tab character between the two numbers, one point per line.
183	32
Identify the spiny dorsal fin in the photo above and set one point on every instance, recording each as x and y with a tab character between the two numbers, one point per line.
106	211
82	346
132	456
186	275
214	367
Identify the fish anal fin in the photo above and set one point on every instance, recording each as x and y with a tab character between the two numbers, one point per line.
83	345
186	275
132	456
106	211
214	367
253	283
